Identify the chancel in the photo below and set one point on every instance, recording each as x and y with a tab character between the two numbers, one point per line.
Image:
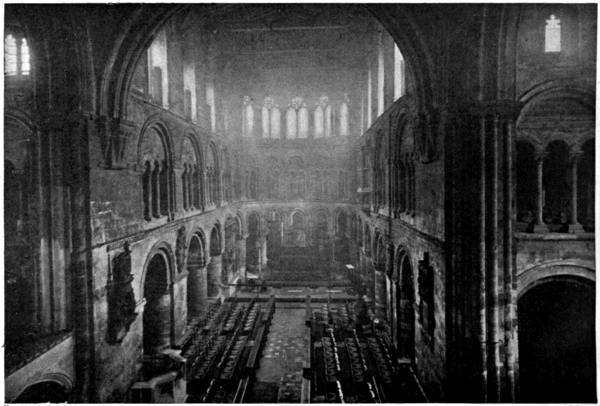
299	203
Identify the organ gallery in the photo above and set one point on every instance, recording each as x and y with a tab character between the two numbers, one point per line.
299	203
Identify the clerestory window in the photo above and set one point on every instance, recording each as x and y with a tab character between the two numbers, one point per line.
16	56
552	34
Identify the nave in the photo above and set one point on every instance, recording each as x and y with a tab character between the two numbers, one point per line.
284	345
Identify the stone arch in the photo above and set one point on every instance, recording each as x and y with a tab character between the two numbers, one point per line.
49	388
146	21
157	292
298	219
216	240
160	147
557	357
193	172
197	287
321	223
341	222
164	249
566	95
575	268
155	161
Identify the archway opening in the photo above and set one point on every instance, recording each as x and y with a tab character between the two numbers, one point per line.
557	357
197	289
44	392
157	312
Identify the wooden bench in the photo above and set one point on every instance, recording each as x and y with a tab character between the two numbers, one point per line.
252	362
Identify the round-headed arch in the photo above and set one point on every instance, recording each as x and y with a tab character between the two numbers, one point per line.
216	240
549	271
139	29
154	142
160	253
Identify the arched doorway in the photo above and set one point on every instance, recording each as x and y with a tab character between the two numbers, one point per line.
405	307
557	356
197	289
44	392
157	311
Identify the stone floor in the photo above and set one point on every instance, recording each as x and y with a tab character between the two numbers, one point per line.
285	352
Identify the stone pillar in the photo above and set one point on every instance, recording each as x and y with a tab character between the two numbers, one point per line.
539	225
574	226
214	269
240	245
262	255
197	289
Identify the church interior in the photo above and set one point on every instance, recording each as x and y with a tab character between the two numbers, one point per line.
299	203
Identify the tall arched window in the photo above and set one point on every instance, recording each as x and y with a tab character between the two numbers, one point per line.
552	34
323	118
271	119
16	55
157	66
248	118
292	127
344	117
399	74
297	119
189	85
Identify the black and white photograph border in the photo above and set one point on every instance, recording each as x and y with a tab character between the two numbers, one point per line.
299	202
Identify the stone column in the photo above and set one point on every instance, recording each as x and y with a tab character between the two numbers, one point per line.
197	289
214	269
540	226
574	226
262	255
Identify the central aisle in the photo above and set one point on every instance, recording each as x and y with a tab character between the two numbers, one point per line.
279	377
